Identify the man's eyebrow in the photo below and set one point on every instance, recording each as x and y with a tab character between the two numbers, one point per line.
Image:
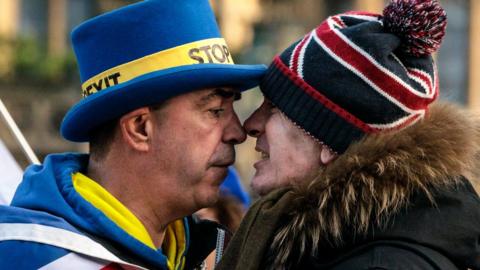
220	92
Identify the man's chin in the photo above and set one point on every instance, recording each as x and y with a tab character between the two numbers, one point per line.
218	173
208	199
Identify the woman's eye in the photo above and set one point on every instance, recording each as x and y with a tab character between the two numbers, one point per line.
273	108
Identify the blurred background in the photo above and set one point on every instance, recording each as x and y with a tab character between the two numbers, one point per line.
39	79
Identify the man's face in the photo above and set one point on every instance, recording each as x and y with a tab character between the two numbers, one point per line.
193	142
288	153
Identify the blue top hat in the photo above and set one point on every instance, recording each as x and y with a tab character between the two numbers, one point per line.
145	53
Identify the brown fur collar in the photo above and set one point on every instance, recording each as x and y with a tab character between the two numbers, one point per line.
375	178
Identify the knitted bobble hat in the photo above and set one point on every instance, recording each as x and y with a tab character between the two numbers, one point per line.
360	73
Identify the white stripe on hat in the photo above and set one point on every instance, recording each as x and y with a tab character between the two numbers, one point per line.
378	65
413	73
402	121
412	113
370	18
292	57
302	55
423	78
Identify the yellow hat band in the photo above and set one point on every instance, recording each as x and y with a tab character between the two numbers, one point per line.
207	51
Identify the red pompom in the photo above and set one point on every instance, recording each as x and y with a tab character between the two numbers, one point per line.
420	24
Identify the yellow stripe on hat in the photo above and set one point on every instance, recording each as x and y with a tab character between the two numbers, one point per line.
207	51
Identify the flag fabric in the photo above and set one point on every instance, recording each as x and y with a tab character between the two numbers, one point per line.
11	175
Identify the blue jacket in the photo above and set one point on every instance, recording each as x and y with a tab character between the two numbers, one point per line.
50	224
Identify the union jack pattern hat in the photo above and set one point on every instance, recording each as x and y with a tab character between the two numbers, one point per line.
360	73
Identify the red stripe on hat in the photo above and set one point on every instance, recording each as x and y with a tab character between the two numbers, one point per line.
321	98
425	78
437	83
339	21
385	82
296	53
407	123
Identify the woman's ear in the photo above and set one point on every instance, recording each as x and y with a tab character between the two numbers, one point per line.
326	155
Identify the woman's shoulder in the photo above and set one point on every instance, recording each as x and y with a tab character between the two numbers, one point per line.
389	255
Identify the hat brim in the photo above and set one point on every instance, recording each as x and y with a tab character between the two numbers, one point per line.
153	88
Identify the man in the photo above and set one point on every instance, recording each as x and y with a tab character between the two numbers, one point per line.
374	175
159	85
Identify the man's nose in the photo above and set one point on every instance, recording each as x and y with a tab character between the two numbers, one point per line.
255	124
234	132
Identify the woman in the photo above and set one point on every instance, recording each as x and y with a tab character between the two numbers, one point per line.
361	168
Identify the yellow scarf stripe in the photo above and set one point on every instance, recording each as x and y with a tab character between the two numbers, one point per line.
205	51
174	245
100	198
175	242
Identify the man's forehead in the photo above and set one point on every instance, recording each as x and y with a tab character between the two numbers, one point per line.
204	96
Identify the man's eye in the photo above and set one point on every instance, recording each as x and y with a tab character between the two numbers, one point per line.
217	112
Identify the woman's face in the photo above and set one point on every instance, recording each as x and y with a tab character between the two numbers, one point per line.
289	155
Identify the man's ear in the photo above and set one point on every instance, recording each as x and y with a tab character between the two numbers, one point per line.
326	155
136	128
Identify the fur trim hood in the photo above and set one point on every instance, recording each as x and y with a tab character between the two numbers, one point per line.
375	179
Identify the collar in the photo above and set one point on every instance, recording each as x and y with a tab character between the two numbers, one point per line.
175	242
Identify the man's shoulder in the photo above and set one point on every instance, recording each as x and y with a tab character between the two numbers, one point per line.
18	254
32	239
20	233
18	215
